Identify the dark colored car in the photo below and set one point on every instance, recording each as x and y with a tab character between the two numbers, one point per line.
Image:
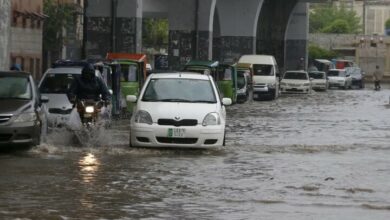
22	115
357	76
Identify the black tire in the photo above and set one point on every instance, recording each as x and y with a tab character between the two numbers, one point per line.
224	139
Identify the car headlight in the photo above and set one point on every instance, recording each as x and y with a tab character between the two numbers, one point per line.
89	109
143	117
271	85
306	84
26	117
212	119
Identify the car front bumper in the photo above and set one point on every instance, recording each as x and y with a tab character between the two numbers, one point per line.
319	86
142	135
294	89
337	84
26	133
263	91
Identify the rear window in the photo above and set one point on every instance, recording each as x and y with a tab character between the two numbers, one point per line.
57	83
263	70
129	73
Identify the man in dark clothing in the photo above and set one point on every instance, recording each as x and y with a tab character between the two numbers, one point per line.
88	86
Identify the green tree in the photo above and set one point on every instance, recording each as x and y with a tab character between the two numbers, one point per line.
323	18
316	52
61	17
155	32
387	24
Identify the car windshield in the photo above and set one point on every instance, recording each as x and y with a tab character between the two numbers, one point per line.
13	87
179	90
295	75
58	83
263	70
336	73
317	75
129	73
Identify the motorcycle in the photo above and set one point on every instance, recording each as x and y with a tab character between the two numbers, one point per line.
94	118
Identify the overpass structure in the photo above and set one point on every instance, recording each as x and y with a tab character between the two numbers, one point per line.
203	29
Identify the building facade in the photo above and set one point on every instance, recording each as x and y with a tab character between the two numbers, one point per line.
26	35
5	30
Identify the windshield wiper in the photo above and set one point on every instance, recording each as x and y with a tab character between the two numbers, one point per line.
203	101
173	100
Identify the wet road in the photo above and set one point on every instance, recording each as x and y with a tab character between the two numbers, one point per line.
322	156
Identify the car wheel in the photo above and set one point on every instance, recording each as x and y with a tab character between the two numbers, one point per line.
224	138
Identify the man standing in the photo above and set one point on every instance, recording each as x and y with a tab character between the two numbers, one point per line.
378	75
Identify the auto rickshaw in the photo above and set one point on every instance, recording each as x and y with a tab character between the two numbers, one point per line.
225	75
132	74
244	81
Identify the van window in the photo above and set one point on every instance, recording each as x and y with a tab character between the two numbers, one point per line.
263	70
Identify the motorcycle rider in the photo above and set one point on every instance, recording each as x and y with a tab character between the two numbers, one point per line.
88	86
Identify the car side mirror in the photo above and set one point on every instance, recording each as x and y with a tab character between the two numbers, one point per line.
44	99
131	98
227	101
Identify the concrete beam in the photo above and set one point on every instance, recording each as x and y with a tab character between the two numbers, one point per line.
297	35
237	29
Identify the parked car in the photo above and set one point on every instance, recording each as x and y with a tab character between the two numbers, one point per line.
339	78
178	110
22	115
265	75
319	80
295	82
55	84
357	76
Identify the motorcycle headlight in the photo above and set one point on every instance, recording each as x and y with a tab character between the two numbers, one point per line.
89	109
26	117
211	119
143	117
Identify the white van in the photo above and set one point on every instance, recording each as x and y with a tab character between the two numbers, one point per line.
265	75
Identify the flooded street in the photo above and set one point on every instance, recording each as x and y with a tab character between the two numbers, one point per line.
321	156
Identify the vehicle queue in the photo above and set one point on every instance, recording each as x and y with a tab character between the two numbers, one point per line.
184	108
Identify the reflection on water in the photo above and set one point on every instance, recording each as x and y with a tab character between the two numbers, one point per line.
89	166
322	156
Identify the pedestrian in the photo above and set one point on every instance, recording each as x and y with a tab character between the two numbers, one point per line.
377	75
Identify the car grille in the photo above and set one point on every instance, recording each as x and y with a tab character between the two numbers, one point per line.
5	118
167	140
5	137
184	122
60	111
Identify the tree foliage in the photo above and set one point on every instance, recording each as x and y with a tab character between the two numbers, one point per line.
155	32
327	18
387	24
61	16
316	52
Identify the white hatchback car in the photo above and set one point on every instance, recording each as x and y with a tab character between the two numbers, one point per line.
178	110
339	78
295	82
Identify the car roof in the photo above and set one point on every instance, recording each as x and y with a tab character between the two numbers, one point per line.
14	73
257	59
207	63
183	75
66	70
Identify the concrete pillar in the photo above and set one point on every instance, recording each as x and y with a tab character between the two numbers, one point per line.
5	27
297	34
124	34
190	31
236	33
271	31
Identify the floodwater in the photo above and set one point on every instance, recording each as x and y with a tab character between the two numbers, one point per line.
320	156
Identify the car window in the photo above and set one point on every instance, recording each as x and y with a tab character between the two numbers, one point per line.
263	70
57	83
179	90
129	73
317	75
295	75
12	87
224	73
